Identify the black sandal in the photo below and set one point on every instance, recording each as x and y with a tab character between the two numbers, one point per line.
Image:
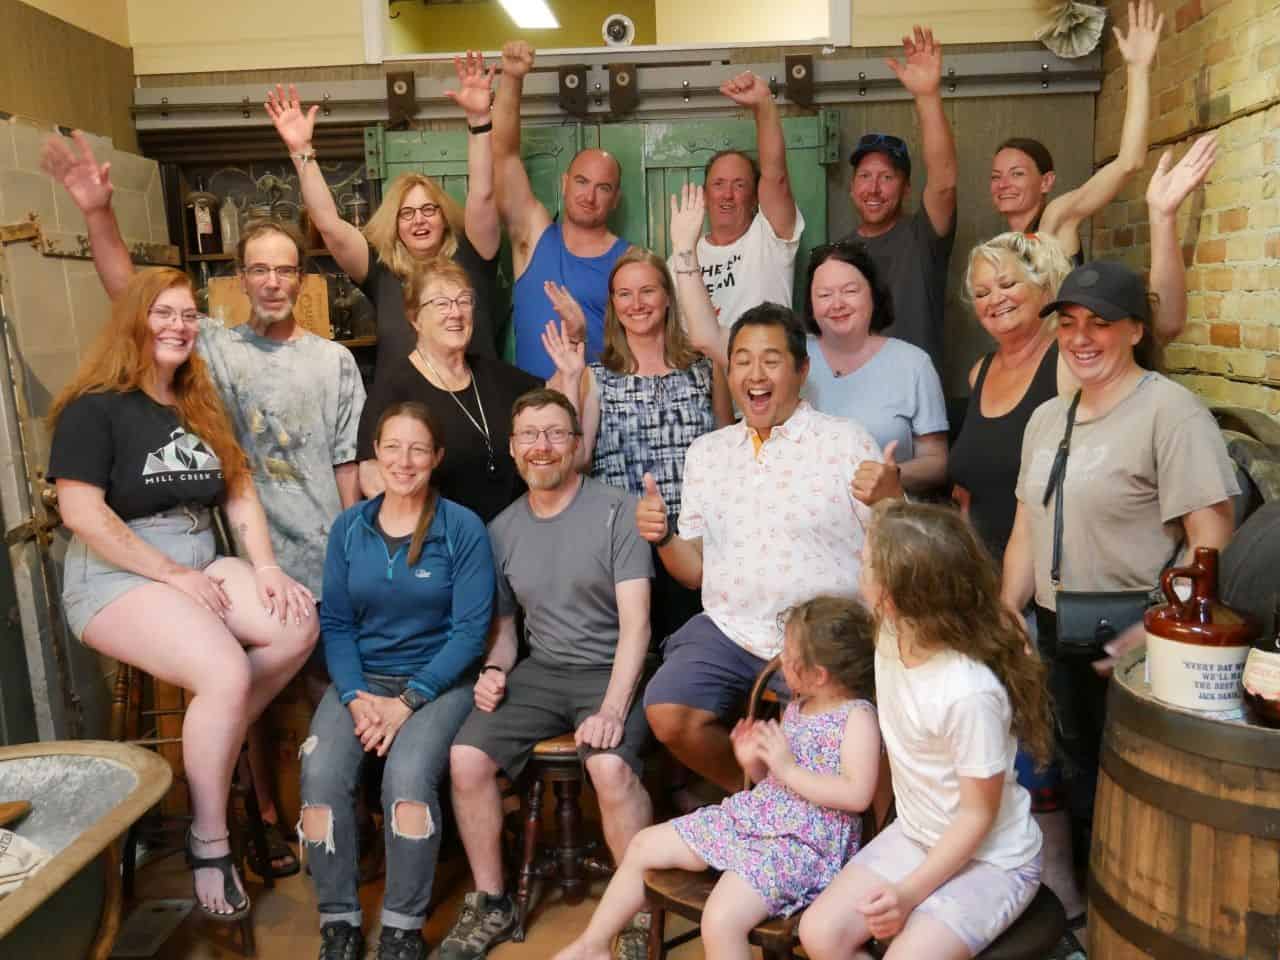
278	849
231	891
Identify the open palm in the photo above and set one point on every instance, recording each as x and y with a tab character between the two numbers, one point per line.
921	73
1139	47
687	211
294	126
78	171
474	84
1172	183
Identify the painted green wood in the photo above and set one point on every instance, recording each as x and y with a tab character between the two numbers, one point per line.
660	157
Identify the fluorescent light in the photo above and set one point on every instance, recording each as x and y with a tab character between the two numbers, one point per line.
531	14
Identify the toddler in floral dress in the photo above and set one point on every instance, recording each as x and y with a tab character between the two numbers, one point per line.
780	843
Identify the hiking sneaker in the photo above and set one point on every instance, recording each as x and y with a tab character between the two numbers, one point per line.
633	942
341	941
395	943
485	922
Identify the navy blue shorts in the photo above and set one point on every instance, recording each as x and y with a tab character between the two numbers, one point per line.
704	669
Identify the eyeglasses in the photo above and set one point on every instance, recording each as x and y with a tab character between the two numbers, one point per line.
428	210
556	436
463	301
188	318
260	271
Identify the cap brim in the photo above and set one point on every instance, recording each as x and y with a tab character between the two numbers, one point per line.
1103	308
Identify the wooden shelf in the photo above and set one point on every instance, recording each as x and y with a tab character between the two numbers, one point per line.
358	342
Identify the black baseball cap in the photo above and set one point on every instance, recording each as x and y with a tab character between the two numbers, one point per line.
892	147
1111	290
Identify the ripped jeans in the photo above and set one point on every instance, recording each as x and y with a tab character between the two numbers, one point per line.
332	758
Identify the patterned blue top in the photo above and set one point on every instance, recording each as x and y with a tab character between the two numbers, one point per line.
647	424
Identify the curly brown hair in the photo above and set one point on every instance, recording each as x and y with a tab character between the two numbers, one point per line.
943	585
837	634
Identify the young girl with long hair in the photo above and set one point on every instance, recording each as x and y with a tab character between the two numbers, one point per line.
780	843
957	690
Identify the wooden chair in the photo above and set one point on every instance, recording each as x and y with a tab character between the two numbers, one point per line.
573	861
685	894
1031	937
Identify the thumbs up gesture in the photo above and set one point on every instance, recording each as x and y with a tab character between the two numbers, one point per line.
874	481
651	512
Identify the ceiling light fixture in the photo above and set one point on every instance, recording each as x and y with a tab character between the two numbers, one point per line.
531	14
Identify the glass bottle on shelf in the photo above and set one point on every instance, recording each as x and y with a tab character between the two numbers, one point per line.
204	228
1261	678
229	225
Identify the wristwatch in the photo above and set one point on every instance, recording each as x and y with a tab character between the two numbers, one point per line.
412	699
666	537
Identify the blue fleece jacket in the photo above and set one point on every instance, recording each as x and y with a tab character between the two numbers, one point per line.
379	615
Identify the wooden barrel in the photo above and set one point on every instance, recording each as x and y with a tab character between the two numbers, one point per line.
1185	863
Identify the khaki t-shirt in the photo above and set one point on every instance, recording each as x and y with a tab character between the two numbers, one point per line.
1131	474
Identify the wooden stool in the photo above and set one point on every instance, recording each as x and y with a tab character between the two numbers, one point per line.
160	727
570	863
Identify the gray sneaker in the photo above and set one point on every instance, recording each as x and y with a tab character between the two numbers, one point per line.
485	922
633	942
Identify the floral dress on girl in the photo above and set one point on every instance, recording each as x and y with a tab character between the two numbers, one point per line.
787	848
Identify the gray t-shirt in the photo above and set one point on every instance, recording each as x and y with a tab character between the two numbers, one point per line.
1132	474
562	571
295	406
896	394
912	261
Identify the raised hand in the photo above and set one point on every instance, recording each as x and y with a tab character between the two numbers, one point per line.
78	171
747	90
1139	47
921	73
573	322
294	126
651	512
688	207
1171	183
517	58
475	86
873	482
570	358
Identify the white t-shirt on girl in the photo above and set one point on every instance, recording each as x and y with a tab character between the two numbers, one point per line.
948	718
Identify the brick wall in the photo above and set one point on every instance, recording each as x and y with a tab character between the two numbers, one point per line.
1218	68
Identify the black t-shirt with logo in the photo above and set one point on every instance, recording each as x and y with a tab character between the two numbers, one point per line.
138	451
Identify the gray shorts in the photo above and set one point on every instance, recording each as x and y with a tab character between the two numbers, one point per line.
90	582
543	702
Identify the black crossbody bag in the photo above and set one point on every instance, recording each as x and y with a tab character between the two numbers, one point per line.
1087	619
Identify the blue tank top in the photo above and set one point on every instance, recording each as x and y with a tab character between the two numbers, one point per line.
587	278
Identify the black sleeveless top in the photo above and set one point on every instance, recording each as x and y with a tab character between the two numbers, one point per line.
987	455
1077	258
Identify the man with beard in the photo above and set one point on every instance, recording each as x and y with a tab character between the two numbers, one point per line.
567	553
749	256
294	398
576	252
911	251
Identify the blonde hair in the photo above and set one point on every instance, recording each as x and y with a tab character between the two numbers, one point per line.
944	586
677	351
1039	261
383	229
122	359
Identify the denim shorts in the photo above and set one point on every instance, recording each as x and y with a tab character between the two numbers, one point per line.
90	582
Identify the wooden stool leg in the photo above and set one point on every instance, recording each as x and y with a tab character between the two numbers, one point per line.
129	860
528	853
258	848
657	930
573	879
